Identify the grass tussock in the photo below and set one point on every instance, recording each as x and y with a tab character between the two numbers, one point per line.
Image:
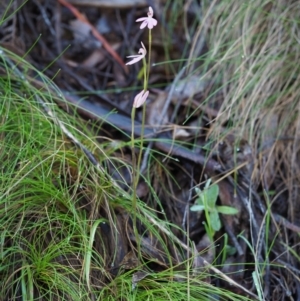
252	65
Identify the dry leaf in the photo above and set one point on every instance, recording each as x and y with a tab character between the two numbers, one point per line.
137	277
189	86
98	56
206	248
180	133
93	59
197	262
130	261
155	108
81	30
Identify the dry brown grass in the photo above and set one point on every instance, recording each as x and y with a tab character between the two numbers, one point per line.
254	51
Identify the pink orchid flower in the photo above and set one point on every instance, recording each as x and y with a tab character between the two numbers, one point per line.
140	99
137	57
149	21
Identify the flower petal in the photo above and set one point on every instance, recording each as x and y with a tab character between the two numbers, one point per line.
135	60
137	57
150	12
144	24
148	21
141	19
152	23
140	99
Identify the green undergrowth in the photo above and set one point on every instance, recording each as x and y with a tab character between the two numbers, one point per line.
60	214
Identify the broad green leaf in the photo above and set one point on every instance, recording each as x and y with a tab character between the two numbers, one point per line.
227	210
200	201
209	196
199	192
215	220
197	208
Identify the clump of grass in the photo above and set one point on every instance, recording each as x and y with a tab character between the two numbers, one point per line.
253	48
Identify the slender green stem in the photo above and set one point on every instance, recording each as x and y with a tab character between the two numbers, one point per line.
135	176
149	59
146	72
143	122
133	156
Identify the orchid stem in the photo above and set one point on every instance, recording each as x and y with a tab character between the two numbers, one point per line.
149	59
135	180
143	121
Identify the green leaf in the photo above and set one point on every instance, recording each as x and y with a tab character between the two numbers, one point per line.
207	184
197	208
215	220
209	196
227	210
198	190
200	201
230	250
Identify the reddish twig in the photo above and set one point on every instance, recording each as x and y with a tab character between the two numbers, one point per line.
95	32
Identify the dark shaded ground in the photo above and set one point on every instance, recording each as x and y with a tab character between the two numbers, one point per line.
52	39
